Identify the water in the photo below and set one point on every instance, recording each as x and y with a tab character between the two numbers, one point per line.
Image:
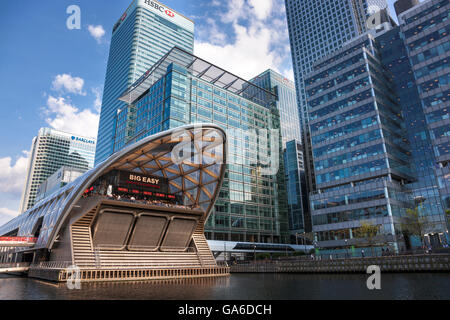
239	287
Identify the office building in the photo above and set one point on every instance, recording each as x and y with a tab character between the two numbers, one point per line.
51	150
392	85
145	33
316	29
286	102
361	155
183	89
298	206
425	31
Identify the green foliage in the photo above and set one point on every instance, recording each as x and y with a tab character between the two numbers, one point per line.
413	224
367	233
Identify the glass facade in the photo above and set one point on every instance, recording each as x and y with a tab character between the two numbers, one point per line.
299	215
144	34
316	29
361	155
50	151
402	90
299	220
286	103
425	30
252	204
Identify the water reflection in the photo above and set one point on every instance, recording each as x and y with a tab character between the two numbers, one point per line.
240	287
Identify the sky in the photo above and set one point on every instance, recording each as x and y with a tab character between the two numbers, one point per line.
53	77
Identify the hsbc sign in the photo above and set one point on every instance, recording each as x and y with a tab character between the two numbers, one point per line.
160	8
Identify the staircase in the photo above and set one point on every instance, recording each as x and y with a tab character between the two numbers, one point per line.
204	252
133	259
83	253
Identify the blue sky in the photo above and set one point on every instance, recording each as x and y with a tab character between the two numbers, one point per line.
53	76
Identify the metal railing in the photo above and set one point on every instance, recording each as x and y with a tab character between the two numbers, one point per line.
121	248
51	265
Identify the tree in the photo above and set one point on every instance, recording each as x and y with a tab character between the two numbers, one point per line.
367	233
413	224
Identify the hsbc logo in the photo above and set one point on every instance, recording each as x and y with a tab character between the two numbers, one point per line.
123	17
160	8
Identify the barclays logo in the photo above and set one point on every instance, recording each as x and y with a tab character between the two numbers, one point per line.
83	140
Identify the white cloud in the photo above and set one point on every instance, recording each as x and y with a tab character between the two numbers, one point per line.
97	32
6	215
66	117
262	8
12	175
69	84
98	98
257	40
235	11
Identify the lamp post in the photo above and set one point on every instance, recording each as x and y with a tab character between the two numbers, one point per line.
254	253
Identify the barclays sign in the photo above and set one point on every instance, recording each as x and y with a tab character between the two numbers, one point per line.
83	140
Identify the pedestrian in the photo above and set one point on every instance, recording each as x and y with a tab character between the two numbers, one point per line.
362	253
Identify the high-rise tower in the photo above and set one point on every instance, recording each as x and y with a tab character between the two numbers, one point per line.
143	35
51	150
317	28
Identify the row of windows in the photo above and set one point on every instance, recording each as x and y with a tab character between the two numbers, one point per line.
342	131
349	157
347	143
350	215
352	171
348	199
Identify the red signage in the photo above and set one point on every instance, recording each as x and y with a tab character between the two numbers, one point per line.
170	13
18	239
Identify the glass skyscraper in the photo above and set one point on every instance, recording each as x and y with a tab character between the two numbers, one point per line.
360	152
182	89
425	32
317	28
297	195
286	102
379	123
145	33
51	150
299	215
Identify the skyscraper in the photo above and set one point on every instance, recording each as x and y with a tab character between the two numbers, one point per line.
145	33
404	73
298	207
425	32
51	150
360	151
296	191
286	102
317	28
